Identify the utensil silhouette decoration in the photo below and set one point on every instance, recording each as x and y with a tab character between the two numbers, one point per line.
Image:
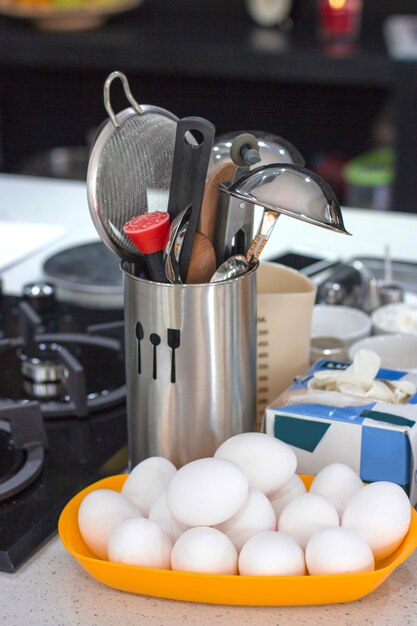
139	336
173	341
155	340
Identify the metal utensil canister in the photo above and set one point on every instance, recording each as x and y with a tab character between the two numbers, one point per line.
197	382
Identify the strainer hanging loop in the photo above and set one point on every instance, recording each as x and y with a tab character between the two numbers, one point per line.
128	94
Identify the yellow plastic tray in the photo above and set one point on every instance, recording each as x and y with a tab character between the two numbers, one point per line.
225	589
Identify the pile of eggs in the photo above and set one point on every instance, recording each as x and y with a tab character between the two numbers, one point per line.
245	511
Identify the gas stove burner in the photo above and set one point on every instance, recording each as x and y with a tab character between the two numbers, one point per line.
69	373
23	442
44	375
85	374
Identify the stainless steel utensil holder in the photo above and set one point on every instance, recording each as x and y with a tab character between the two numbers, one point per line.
190	365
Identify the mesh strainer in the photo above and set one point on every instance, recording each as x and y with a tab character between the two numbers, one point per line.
130	166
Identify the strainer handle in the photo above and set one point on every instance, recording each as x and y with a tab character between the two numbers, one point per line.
107	104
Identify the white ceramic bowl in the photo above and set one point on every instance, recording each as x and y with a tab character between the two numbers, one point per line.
341	322
396	351
395	318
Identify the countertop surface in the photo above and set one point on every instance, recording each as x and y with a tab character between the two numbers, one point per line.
63	204
51	588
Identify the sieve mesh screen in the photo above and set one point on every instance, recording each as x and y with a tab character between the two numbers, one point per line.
134	174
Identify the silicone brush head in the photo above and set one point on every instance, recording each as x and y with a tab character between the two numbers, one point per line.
148	231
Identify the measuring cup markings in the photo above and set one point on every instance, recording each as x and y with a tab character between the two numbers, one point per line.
263	365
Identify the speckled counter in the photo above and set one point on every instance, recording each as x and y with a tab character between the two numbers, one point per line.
52	589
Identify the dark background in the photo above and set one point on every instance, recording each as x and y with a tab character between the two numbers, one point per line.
209	58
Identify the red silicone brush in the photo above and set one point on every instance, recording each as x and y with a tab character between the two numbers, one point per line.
148	233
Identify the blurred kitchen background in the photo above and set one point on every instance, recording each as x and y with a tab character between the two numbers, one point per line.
337	78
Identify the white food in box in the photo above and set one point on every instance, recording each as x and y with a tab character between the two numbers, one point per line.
377	439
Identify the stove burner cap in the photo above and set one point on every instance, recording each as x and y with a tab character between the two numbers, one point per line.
44	375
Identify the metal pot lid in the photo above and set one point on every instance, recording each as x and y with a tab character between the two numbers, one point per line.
88	274
272	149
293	191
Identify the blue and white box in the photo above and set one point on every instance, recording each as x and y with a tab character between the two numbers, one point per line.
376	439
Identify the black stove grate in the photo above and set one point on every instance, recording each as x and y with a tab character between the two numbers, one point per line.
57	360
79	453
26	446
11	460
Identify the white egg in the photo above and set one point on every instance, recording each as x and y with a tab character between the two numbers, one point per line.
336	482
100	511
205	550
140	542
292	488
160	513
305	515
267	462
271	553
255	516
338	551
147	480
206	492
381	513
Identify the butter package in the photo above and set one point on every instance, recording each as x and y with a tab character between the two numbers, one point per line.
374	432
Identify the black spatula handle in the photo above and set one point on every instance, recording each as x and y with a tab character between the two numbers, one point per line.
193	144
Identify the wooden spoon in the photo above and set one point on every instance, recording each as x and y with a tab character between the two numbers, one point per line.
222	173
202	262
